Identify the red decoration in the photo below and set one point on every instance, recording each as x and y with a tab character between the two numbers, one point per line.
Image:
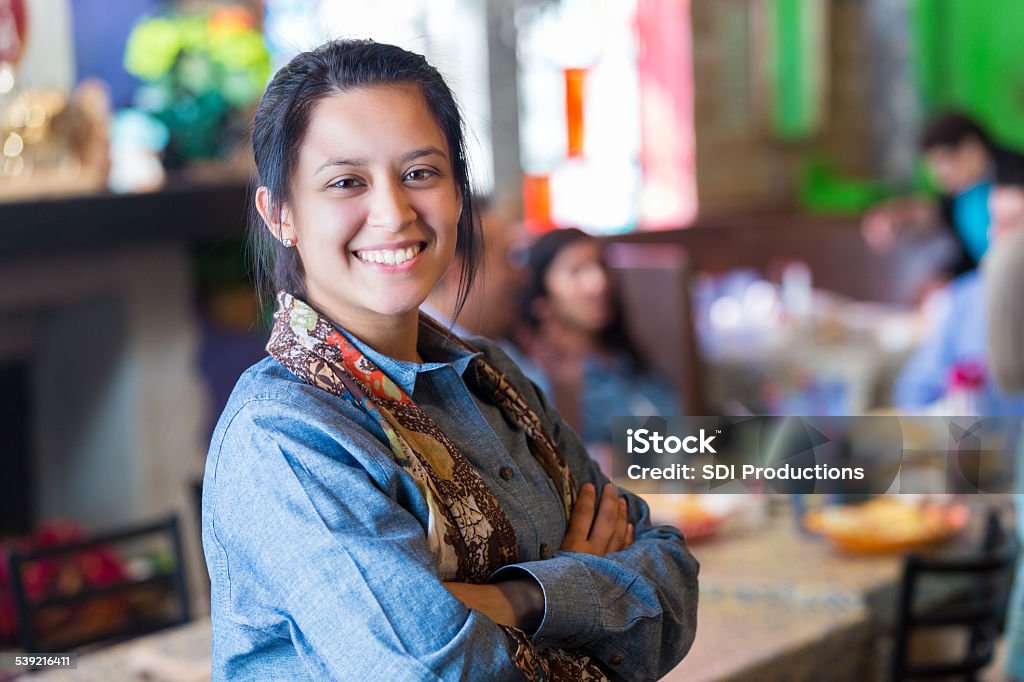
55	577
13	30
574	80
537	203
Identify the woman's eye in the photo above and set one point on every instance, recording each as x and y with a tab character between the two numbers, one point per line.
345	183
420	174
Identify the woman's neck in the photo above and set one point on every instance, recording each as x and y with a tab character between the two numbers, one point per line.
395	336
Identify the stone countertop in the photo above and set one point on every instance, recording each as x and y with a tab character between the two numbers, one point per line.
780	604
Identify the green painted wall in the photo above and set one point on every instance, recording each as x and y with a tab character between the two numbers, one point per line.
969	55
795	44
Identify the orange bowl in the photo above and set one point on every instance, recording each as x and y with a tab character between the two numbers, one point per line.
885	526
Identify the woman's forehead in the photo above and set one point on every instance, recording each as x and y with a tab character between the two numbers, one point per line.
365	124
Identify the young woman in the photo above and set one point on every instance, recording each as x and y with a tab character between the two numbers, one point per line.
574	334
384	501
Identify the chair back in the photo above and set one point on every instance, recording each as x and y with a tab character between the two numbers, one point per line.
976	603
110	586
654	286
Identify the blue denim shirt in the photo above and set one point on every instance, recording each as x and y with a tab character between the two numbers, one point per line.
320	567
961	336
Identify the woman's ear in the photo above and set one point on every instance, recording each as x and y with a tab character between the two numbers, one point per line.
278	221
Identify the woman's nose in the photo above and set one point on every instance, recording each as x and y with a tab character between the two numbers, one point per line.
390	208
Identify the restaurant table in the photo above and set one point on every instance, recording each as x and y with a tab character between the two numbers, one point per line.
844	365
181	653
780	604
775	604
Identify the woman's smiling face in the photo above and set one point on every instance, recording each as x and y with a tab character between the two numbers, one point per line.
374	205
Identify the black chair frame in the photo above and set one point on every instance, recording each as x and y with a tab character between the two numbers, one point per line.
991	574
27	608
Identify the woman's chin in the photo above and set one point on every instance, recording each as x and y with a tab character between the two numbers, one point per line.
398	307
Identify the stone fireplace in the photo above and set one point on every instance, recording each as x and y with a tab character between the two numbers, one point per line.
97	357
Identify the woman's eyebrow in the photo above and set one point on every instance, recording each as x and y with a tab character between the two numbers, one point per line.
340	161
410	156
424	151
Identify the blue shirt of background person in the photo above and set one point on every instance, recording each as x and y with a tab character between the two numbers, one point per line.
971	219
960	337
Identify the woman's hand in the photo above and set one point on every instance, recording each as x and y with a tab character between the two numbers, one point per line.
519	603
599	532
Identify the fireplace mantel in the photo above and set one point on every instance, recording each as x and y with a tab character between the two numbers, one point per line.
184	211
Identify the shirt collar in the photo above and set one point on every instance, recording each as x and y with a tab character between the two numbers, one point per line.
445	321
435	347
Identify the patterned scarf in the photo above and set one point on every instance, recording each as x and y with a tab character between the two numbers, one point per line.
468	532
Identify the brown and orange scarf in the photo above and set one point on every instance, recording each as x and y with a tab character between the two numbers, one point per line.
468	532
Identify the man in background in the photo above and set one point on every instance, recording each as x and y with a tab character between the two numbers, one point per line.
963	160
955	357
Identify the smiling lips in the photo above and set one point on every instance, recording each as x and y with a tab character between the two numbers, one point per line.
393	257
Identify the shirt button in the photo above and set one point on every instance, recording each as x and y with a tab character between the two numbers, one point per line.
616	660
544	551
506	473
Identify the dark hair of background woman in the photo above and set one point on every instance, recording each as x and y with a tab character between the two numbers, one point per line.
950	129
281	122
540	256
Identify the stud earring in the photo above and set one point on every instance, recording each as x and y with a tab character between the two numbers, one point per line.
288	243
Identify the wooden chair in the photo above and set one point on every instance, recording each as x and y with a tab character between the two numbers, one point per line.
654	283
979	606
133	605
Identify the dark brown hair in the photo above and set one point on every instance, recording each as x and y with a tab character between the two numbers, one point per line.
283	117
951	130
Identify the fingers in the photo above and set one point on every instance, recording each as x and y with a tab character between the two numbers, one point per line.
606	520
599	525
618	540
582	516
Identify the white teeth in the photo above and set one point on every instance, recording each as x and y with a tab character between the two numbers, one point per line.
390	257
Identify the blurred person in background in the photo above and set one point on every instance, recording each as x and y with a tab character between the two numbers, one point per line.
963	160
1003	271
574	333
383	500
953	362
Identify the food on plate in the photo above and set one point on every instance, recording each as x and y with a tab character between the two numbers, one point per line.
886	524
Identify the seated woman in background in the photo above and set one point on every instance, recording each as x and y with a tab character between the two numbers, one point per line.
574	332
383	500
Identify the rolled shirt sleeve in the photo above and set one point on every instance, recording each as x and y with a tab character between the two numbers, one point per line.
312	548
